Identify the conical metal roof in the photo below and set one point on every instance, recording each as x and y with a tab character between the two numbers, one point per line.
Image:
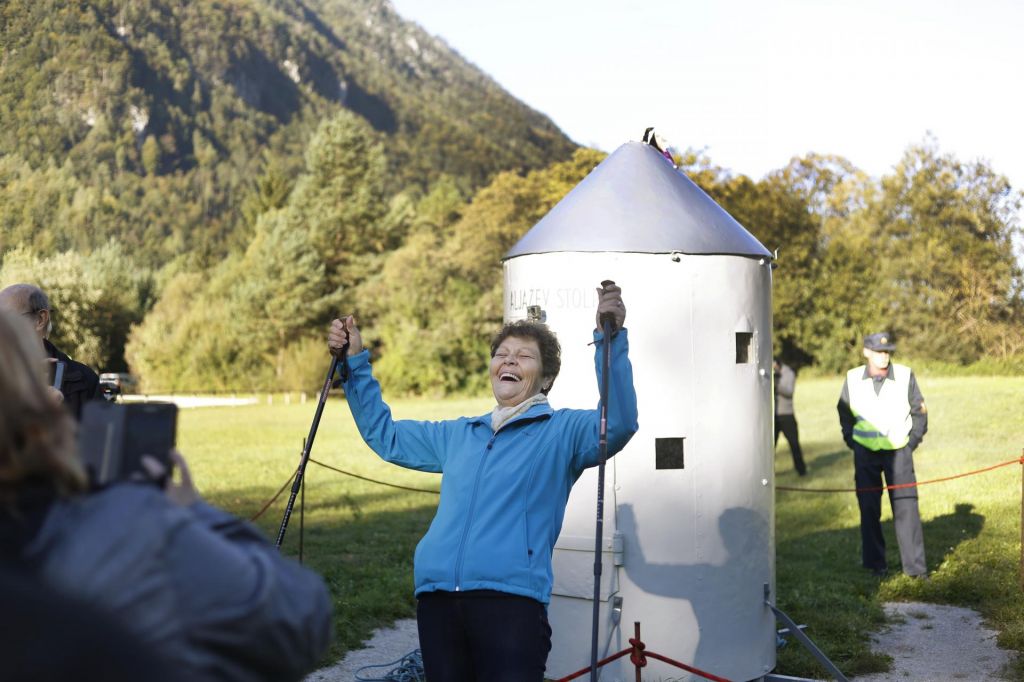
635	201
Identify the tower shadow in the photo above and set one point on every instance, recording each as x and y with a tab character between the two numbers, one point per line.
721	592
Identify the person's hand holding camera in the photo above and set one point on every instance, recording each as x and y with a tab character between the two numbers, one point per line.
55	393
184	492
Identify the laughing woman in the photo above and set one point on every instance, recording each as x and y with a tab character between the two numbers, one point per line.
483	569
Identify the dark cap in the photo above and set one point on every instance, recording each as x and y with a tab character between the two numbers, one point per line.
881	341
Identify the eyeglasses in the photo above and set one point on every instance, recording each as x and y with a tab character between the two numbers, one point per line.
31	313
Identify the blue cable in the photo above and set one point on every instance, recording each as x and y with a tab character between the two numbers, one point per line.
408	668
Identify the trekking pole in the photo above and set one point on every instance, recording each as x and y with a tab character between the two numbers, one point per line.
607	320
302	511
308	445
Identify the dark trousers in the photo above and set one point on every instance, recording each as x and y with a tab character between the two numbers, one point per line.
898	467
786	424
482	636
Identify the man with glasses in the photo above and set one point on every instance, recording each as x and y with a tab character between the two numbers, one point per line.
80	384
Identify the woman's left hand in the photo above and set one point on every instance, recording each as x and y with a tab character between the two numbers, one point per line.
609	300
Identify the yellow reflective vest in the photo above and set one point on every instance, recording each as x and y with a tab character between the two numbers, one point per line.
882	421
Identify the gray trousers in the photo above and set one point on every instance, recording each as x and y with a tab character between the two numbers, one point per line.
898	467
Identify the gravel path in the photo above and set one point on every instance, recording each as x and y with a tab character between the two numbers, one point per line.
928	643
386	645
936	642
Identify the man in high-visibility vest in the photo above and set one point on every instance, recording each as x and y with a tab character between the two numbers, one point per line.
884	418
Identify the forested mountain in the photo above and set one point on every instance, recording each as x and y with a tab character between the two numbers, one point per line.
202	186
151	121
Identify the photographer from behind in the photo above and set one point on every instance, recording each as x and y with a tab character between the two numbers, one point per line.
80	384
204	589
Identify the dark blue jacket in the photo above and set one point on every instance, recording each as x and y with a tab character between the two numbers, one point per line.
203	588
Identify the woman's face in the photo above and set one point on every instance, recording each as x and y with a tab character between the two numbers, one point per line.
516	371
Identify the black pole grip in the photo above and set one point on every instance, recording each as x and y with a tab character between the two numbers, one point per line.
607	319
342	358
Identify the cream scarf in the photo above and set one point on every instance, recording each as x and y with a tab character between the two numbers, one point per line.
502	415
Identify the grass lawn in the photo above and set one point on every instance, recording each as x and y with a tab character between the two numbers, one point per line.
361	536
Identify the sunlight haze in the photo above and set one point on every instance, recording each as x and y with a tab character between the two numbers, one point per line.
757	83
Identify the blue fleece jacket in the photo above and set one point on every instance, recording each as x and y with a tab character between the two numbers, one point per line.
503	494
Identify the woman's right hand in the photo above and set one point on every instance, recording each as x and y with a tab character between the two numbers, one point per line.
342	332
609	302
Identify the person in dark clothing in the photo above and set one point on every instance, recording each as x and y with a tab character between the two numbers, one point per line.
80	384
48	636
884	419
785	418
201	587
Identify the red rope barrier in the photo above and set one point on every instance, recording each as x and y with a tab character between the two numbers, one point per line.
273	499
695	671
373	480
786	488
600	664
340	471
638	655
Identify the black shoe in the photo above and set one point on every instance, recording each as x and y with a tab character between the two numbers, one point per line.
879	572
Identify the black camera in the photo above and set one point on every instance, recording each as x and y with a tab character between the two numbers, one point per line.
113	437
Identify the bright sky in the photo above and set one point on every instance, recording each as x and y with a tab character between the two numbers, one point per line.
758	82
